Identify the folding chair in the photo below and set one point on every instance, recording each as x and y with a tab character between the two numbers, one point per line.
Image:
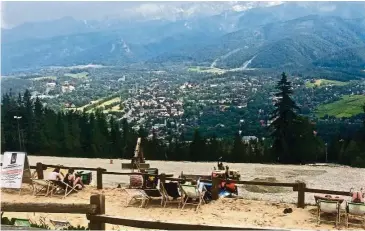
170	193
45	185
153	194
191	192
328	206
137	195
68	189
355	209
60	224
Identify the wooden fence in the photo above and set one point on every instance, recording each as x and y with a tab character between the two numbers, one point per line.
95	213
299	187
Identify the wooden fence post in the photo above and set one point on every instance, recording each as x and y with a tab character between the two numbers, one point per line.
39	169
99	201
301	195
99	178
215	187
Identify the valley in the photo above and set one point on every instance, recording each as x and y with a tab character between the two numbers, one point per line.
217	71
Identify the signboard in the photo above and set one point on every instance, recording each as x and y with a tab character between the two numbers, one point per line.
12	169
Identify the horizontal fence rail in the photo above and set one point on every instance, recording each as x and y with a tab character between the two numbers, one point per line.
324	191
152	224
48	208
95	213
299	187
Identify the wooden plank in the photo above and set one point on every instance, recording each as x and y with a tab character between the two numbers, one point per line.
278	184
48	208
324	191
153	224
134	173
130	166
75	168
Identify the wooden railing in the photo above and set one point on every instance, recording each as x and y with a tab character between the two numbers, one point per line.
299	187
95	213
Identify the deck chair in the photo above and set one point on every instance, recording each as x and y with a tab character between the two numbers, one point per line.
59	224
153	194
136	195
40	185
355	209
328	206
191	192
170	193
61	185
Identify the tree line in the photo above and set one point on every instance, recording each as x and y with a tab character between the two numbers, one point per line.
26	124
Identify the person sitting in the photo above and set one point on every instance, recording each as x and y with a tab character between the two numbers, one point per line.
55	175
72	180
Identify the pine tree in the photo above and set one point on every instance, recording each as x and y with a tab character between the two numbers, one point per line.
284	117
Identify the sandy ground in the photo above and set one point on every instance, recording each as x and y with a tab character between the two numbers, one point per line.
320	177
256	209
237	212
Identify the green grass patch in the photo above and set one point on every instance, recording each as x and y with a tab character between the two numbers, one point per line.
324	83
80	75
96	104
348	106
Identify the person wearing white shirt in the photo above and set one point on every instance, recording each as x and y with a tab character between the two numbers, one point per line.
55	175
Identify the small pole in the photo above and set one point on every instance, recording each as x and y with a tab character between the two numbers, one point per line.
99	178
99	201
39	169
301	195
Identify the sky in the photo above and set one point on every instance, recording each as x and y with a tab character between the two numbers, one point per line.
16	13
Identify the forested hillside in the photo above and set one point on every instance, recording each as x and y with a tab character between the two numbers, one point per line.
42	131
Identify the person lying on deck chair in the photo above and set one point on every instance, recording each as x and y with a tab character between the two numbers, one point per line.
72	180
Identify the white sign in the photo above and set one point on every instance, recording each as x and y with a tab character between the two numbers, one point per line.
12	169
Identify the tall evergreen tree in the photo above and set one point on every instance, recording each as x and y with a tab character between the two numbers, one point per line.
283	117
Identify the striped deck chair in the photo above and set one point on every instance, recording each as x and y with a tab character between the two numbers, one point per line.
355	209
191	192
328	206
60	224
136	195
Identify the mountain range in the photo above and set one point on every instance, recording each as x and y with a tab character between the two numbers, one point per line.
292	35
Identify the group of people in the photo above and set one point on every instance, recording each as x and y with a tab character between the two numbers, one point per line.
70	178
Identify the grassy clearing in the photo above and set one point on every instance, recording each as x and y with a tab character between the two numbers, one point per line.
92	102
324	83
44	78
212	70
80	75
106	103
348	106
